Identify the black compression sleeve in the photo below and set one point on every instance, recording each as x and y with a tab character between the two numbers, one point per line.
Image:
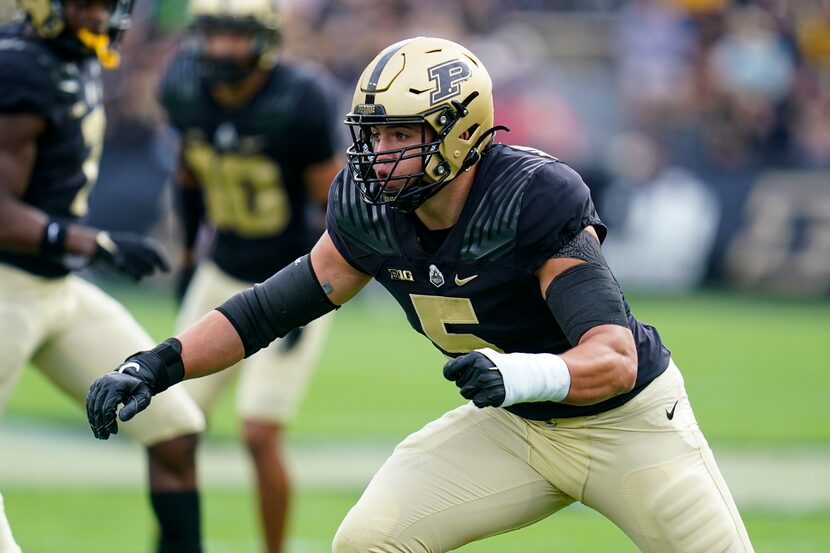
191	207
583	297
291	298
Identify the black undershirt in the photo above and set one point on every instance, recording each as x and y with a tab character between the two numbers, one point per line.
430	240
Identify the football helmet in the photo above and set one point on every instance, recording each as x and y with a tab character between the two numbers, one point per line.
46	17
258	18
431	82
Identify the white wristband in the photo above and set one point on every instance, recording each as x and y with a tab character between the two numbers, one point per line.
530	377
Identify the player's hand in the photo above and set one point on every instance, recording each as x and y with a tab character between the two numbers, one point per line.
478	379
141	376
183	281
130	254
132	384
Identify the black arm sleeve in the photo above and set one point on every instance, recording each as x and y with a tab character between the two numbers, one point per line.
583	297
586	295
191	207
291	298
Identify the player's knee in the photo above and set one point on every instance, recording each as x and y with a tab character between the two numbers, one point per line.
687	511
359	533
353	539
174	461
262	438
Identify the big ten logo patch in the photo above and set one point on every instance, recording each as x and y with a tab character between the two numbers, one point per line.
401	274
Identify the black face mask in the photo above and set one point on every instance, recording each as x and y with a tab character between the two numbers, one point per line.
225	70
67	43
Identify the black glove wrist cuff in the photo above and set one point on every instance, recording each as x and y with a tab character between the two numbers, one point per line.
53	241
165	364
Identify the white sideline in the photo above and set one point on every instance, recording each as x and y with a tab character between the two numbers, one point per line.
37	457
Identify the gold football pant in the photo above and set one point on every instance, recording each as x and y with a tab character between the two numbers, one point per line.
272	382
475	473
74	333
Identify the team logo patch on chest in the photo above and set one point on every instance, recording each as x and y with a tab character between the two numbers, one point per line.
435	276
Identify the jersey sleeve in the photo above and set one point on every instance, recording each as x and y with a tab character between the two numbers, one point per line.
318	128
179	91
555	209
25	83
361	233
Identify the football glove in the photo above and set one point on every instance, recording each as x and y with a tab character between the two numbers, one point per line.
130	254
133	384
478	379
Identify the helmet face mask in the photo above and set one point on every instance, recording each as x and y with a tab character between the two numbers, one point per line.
404	191
228	65
48	19
255	21
430	82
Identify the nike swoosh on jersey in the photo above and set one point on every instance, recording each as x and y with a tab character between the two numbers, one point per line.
670	414
463	281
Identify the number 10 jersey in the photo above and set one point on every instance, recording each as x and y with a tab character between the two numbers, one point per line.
250	160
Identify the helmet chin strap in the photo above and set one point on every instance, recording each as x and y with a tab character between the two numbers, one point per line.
475	155
100	44
472	159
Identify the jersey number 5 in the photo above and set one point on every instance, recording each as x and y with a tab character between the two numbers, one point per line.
435	312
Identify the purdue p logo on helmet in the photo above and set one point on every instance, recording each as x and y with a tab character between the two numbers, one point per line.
420	81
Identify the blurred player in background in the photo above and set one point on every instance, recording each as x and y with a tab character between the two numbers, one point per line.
493	251
51	131
259	137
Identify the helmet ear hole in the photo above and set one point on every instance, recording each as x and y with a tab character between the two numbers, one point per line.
469	133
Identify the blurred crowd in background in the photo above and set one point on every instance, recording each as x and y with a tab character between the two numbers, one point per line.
701	126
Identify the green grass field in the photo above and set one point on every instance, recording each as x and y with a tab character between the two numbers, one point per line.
755	369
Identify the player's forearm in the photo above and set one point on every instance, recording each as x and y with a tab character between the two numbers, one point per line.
602	365
210	345
23	228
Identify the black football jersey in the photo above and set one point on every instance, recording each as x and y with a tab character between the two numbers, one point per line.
478	288
67	94
250	161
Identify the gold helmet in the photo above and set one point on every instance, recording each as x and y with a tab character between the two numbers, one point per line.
47	19
420	81
258	18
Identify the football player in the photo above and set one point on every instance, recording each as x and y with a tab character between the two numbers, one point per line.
51	130
258	153
493	251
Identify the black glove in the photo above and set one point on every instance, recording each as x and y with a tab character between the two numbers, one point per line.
474	374
130	254
183	281
139	378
